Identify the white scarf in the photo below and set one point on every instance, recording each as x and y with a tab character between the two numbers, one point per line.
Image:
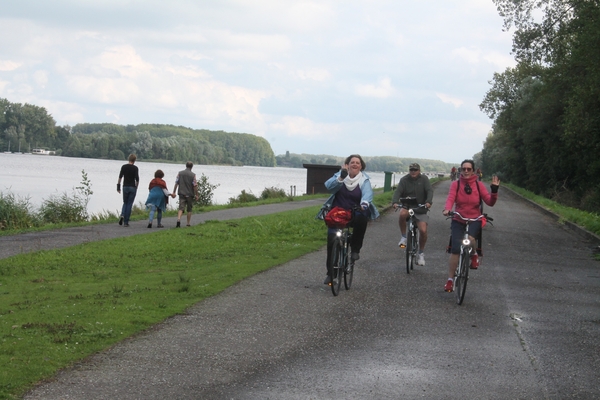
352	183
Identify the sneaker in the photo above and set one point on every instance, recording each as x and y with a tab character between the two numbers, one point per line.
449	286
474	261
354	256
178	224
328	280
121	220
126	225
421	259
160	226
402	243
150	225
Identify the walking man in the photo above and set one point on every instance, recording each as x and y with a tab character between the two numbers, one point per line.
131	178
188	191
414	185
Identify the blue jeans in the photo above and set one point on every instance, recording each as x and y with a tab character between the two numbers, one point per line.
158	211
129	193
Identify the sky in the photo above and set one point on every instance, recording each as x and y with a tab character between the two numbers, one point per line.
379	78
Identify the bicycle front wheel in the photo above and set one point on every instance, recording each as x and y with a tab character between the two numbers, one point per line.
337	267
348	273
462	276
410	257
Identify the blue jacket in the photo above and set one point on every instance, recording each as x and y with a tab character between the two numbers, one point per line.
333	185
157	198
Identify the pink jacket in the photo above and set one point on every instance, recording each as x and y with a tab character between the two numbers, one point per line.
467	205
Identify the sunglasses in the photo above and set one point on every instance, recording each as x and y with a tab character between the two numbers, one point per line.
413	170
467	169
468	189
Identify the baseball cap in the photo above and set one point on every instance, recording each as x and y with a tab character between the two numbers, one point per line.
414	166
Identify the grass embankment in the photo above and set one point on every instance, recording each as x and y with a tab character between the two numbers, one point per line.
587	220
60	306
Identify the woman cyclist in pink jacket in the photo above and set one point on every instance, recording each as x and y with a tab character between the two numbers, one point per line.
466	194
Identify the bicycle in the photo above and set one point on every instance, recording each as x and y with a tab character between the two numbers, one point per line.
412	230
341	261
461	275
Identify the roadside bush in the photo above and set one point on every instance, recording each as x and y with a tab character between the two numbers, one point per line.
68	208
16	213
205	191
273	193
243	197
63	208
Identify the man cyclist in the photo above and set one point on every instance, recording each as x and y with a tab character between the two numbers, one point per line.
416	185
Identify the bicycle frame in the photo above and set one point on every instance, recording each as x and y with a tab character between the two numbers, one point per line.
461	275
342	263
412	231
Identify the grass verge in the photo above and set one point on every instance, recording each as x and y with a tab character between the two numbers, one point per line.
60	306
587	220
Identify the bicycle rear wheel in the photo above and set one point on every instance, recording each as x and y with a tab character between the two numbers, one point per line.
461	277
337	267
410	257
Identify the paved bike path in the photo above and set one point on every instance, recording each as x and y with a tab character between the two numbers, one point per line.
528	328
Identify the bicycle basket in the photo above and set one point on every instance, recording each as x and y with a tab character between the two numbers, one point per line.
338	217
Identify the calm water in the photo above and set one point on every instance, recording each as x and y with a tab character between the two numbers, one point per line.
39	177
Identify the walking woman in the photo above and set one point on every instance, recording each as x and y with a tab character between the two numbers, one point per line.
157	198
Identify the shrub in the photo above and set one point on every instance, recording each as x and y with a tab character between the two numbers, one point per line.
205	191
272	193
65	208
243	197
16	213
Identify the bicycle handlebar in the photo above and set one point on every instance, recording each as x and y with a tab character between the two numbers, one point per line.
404	203
453	213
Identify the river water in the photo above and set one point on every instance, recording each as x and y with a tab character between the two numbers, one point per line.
38	177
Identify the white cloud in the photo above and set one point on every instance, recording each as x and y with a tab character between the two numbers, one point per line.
449	100
125	60
7	65
472	56
314	74
41	78
305	129
383	89
499	60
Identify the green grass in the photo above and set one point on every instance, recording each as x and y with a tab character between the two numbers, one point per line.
139	212
589	221
57	307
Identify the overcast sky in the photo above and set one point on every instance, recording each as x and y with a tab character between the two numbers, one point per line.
380	78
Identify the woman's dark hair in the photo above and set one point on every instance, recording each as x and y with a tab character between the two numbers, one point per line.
362	162
159	174
470	162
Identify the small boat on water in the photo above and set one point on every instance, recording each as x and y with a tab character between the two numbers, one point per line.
43	152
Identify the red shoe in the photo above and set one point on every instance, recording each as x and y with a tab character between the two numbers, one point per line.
449	286
474	261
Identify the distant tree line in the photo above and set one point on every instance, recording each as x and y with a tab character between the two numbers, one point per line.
25	126
379	163
546	110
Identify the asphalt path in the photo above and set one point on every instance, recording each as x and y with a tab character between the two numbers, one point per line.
529	327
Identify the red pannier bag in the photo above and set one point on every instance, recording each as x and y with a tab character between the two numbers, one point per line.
338	217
